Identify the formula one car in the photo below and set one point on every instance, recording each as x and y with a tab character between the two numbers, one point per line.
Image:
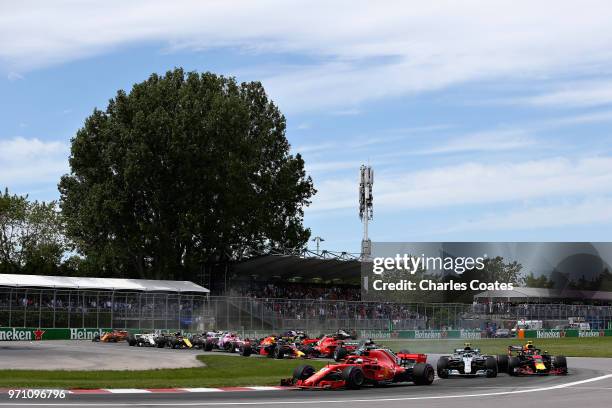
336	346
280	347
143	339
199	340
467	361
175	341
229	342
111	337
529	360
294	335
377	366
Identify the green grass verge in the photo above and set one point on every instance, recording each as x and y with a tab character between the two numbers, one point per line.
569	346
220	371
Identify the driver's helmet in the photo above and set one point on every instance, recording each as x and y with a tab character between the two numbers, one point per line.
529	346
467	347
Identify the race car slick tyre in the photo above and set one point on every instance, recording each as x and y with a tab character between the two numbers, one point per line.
303	372
353	377
423	374
229	347
513	364
245	350
132	341
491	367
279	353
502	363
560	363
208	346
160	343
442	367
340	353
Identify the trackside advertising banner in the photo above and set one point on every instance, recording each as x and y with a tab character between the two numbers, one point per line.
557	334
36	334
438	334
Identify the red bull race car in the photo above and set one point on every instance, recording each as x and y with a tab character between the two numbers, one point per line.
529	360
375	366
280	347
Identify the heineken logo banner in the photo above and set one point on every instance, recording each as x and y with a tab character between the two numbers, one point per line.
38	334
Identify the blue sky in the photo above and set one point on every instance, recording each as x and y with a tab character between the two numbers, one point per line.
482	122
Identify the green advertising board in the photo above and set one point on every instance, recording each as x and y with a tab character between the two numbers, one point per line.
438	334
557	334
36	334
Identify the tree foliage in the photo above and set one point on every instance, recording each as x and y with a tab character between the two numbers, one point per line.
31	236
184	170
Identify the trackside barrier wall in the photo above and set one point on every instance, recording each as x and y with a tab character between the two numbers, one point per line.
33	334
557	334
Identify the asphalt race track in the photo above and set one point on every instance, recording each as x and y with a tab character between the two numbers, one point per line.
87	355
589	383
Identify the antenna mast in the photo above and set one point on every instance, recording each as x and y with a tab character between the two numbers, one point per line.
366	211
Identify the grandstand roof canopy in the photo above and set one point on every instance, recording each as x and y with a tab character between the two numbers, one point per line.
286	267
69	282
540	293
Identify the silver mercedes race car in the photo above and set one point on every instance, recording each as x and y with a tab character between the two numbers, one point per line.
467	361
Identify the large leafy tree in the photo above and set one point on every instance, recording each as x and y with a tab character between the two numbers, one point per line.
184	170
31	236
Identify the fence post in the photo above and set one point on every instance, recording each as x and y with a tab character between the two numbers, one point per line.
83	310
10	308
54	305
98	309
40	309
25	307
166	314
112	310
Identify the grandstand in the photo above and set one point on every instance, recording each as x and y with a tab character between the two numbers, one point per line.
73	302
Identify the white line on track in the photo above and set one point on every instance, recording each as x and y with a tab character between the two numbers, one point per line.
305	402
126	391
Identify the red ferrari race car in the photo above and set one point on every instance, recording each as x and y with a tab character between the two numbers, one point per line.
529	360
336	346
372	367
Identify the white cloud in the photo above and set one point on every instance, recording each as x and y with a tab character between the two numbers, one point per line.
490	141
576	94
474	184
31	162
14	76
585	212
363	50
